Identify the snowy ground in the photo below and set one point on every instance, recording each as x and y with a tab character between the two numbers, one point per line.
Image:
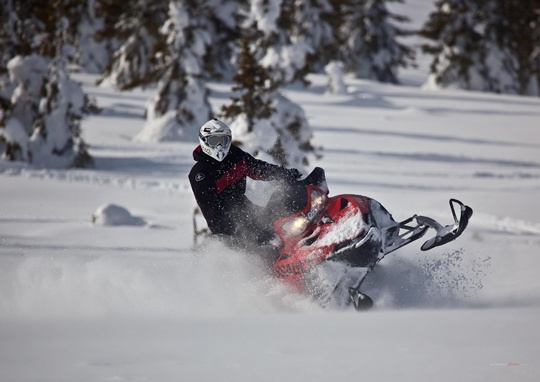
100	303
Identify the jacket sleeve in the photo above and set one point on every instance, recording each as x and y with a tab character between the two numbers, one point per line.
261	170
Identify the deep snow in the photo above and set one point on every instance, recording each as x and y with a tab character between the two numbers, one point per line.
136	302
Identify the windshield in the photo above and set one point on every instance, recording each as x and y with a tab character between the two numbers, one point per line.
312	212
292	197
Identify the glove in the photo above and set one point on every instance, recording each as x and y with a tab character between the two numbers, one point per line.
292	173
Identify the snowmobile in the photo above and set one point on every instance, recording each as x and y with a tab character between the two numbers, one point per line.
330	244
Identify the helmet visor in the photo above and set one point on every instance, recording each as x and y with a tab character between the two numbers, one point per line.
216	140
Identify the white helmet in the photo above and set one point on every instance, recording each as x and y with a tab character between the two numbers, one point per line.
215	138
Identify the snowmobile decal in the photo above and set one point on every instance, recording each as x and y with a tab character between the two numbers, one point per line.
289	269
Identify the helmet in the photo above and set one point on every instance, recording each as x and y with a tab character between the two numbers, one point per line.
215	138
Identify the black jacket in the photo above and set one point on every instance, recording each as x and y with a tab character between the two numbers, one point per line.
219	187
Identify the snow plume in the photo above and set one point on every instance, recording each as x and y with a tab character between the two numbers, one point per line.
451	278
211	280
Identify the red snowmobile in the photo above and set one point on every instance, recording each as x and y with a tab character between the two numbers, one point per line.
330	244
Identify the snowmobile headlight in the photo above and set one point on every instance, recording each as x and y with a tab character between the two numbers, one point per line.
317	200
299	224
296	226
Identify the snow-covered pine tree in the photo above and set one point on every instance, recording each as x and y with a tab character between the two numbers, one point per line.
254	88
369	32
295	37
10	43
56	138
135	27
8	36
180	106
456	47
42	107
224	33
91	51
21	95
498	62
264	122
487	45
310	23
513	28
253	102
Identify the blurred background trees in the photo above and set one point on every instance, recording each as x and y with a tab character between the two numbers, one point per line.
485	45
177	47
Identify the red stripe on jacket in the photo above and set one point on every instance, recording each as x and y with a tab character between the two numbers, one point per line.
237	172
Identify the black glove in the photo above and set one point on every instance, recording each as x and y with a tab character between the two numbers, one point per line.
292	173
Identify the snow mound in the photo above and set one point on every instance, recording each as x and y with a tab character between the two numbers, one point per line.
336	82
112	215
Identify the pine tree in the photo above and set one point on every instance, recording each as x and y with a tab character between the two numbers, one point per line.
222	24
91	52
294	37
56	138
135	27
309	23
180	106
8	36
452	27
254	86
514	27
371	49
264	122
488	45
42	107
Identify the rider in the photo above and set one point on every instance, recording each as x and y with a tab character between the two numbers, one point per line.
218	181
